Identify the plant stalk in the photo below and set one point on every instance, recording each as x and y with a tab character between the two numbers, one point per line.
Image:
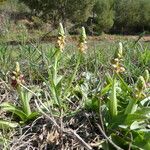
54	79
113	99
73	76
24	101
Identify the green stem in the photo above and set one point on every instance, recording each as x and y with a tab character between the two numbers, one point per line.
54	79
55	68
73	76
113	99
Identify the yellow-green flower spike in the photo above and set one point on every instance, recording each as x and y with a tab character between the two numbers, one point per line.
119	51
140	83
61	38
146	75
83	32
82	41
116	61
83	35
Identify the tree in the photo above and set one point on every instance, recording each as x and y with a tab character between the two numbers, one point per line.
61	10
144	13
127	14
79	10
132	15
104	15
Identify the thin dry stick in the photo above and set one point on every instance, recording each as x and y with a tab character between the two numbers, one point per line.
109	140
75	135
20	140
101	119
61	126
100	116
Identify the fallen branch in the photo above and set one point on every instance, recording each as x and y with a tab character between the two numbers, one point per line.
107	138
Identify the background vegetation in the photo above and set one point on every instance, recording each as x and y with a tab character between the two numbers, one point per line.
110	16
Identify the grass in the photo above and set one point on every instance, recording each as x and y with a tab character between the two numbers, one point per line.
79	99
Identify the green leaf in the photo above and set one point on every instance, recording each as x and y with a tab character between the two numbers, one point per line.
28	94
125	86
58	80
117	121
106	89
32	116
136	125
7	124
132	107
141	140
145	101
108	78
92	104
14	109
120	141
145	111
134	117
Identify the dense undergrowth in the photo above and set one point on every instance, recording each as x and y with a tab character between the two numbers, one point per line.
75	96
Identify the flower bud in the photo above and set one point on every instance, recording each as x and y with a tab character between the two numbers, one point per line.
146	75
61	30
120	52
61	38
121	69
82	41
17	67
140	83
83	35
